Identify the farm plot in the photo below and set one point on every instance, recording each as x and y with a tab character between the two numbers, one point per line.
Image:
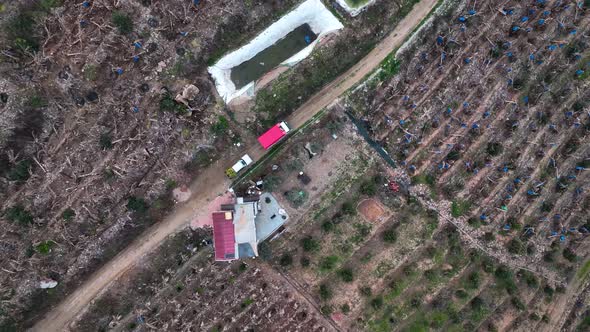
489	110
196	293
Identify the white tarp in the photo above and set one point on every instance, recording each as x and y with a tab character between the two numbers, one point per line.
352	10
312	12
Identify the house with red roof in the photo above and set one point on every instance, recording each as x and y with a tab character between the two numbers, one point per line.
234	230
224	236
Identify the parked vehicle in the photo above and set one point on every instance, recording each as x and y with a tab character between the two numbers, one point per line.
238	166
273	135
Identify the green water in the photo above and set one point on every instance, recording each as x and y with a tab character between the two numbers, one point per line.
272	56
356	3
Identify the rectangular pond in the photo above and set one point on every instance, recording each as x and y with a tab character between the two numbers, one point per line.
269	58
282	45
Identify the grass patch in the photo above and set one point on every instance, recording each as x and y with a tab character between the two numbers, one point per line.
389	67
328	263
45	247
246	303
459	208
356	3
582	273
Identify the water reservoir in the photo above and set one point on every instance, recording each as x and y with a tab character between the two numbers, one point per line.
251	70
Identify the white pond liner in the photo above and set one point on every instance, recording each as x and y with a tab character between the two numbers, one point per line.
354	11
313	12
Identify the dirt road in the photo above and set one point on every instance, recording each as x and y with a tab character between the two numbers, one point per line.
212	182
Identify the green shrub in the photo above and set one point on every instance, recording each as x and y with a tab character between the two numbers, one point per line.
489	236
515	246
389	235
368	188
494	148
549	291
18	214
517	303
346	274
105	141
22	32
68	214
431	275
389	67
221	126
473	280
478	309
304	261
362	231
529	278
328	226
461	293
265	251
325	292
439	319
272	182
505	278
20	171
123	22
297	197
409	270
348	208
474	222
246	303
108	174
459	208
366	291
47	5
168	104
171	184
90	72
326	310
345	308
310	244
286	260
36	101
45	247
137	204
377	302
427	179
569	255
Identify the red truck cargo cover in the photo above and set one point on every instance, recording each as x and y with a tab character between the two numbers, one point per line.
272	136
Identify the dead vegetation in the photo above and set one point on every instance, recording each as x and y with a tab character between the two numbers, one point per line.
490	121
91	146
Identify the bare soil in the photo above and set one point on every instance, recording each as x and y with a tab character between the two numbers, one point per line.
372	210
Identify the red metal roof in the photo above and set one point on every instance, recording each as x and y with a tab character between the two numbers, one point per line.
223	236
271	136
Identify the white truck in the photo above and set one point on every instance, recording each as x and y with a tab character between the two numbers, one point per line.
238	166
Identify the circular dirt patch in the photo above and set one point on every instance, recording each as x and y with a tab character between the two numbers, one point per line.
371	210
